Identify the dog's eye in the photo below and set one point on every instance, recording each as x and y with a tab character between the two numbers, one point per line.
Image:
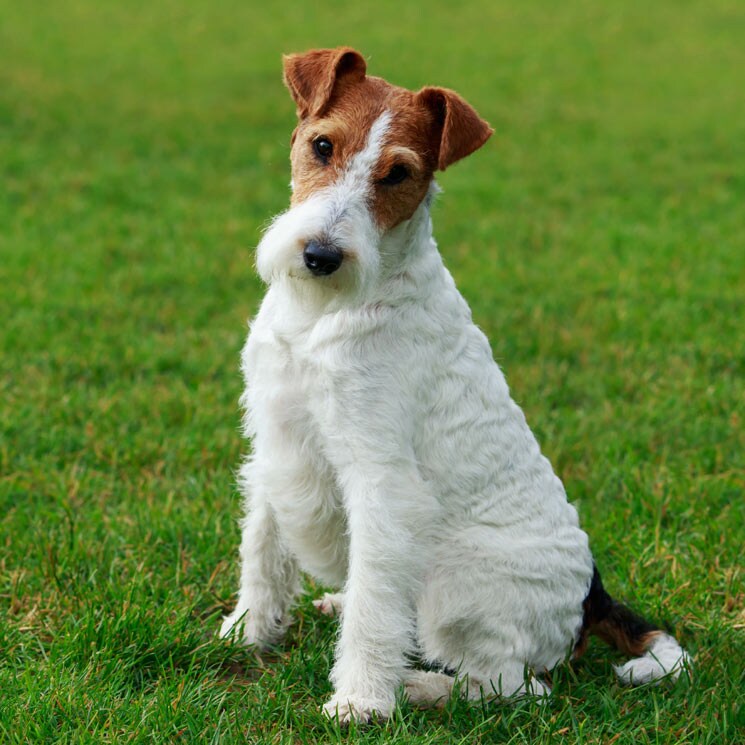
323	148
396	175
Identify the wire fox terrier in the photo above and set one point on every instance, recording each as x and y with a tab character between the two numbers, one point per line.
388	457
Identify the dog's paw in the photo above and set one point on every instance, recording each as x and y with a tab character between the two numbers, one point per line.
330	604
352	708
243	627
425	688
237	628
537	690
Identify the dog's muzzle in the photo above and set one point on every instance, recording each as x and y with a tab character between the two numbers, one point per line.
321	258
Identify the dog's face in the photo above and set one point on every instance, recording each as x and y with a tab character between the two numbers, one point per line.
363	157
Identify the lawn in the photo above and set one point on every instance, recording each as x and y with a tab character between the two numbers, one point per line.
599	237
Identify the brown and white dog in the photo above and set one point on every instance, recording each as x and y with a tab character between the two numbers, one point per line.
388	457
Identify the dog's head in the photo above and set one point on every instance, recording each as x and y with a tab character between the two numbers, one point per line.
364	154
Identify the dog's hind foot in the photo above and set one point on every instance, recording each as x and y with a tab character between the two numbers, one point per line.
431	689
428	689
346	709
330	604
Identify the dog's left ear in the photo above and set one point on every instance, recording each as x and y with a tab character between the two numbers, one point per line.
458	129
313	76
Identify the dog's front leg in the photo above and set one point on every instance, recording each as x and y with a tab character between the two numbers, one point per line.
269	580
388	511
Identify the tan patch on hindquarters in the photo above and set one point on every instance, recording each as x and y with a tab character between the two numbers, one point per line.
613	622
624	639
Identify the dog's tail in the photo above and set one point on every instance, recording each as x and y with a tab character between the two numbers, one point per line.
655	653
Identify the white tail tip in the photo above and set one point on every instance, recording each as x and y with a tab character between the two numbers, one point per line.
664	658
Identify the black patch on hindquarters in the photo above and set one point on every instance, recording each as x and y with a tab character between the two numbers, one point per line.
613	622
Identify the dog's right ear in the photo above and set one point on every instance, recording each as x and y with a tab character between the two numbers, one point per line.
312	77
458	129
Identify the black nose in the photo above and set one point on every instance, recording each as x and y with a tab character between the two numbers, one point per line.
321	259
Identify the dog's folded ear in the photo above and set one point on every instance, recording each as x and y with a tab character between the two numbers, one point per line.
458	130
313	76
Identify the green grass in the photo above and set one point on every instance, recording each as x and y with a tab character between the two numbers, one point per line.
600	239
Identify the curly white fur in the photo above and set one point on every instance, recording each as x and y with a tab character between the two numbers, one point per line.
389	459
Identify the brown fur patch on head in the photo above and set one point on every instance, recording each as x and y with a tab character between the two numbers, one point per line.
408	144
313	77
459	129
337	101
345	123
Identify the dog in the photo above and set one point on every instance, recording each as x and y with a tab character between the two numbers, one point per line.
388	457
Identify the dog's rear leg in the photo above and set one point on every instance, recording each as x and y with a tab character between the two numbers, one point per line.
656	654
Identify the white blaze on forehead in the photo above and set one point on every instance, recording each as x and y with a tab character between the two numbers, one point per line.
346	200
347	220
361	165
